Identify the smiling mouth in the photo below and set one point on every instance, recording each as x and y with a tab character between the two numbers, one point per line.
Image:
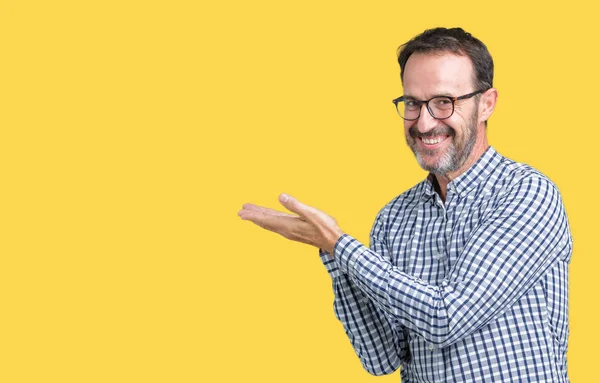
433	140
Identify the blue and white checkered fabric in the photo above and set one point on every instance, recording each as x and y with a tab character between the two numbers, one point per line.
473	290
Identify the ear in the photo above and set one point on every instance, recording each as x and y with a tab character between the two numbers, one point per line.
487	104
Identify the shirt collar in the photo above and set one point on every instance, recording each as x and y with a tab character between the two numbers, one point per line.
429	187
467	181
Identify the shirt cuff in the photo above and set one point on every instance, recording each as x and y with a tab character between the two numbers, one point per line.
346	252
329	261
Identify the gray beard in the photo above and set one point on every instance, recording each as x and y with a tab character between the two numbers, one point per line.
452	160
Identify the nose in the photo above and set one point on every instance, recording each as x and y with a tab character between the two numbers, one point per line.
426	122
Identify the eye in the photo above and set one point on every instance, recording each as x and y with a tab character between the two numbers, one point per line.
442	103
411	104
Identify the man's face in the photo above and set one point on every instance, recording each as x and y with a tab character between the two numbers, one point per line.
441	146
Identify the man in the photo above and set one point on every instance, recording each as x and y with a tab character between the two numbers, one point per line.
466	277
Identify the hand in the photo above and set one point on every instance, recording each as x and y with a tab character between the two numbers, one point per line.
310	226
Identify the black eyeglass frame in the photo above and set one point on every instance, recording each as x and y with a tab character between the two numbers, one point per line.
426	102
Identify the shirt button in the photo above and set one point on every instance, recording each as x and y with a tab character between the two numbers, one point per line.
431	347
439	257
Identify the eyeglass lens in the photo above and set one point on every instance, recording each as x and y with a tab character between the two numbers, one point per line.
439	107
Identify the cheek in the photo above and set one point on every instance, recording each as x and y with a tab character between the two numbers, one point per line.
456	123
462	116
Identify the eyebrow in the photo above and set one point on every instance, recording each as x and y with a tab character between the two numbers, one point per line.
442	94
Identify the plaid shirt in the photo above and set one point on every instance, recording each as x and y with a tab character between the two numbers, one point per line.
473	290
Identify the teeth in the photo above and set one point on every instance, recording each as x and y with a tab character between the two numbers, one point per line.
432	141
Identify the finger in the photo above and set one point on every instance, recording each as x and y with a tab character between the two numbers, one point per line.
279	224
292	228
252	207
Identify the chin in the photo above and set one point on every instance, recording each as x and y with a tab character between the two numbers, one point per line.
440	166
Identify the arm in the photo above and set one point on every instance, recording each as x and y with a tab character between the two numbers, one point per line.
525	235
378	344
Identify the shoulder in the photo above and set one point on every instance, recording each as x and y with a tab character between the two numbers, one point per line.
514	177
529	201
519	194
402	204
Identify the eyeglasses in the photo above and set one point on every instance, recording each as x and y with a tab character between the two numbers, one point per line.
440	107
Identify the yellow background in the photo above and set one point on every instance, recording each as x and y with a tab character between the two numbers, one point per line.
133	131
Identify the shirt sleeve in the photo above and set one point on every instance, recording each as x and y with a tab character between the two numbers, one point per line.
379	345
524	236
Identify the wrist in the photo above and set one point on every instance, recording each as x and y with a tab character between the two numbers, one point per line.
335	239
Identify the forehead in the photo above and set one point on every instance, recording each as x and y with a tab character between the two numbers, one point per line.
430	74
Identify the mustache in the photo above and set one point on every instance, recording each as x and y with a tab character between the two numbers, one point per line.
438	131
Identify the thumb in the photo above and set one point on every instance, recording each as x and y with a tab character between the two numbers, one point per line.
292	204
